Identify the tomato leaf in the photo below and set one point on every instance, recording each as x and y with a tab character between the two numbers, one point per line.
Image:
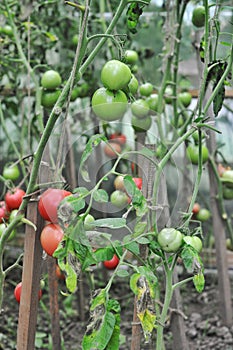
100	196
142	240
191	258
114	342
122	273
94	141
138	200
102	324
133	247
113	223
199	282
139	228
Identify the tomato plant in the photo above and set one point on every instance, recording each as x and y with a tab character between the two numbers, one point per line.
112	263
11	172
14	198
115	75
170	239
50	237
17	292
49	202
119	183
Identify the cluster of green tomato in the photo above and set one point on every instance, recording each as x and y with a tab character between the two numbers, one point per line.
170	240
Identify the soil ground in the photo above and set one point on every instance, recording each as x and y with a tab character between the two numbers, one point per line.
204	328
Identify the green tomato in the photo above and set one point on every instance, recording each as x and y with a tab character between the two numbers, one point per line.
89	219
152	101
146	89
198	16
75	39
227	178
192	152
109	106
7	30
141	124
131	57
170	239
140	108
160	151
11	172
49	98
227	192
168	95
203	214
194	241
51	80
119	199
196	137
133	85
185	98
115	75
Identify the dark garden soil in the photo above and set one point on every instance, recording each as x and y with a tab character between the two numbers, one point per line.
204	328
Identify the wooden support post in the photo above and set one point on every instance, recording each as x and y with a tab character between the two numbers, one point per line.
224	289
30	281
53	301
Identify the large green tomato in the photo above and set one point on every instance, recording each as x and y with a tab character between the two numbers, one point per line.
140	108
170	239
115	75
192	152
108	105
194	241
141	124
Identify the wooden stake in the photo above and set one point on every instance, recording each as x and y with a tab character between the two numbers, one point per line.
30	281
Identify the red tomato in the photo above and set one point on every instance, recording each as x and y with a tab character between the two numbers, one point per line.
109	150
14	198
3	211
111	264
138	182
118	137
196	208
17	292
59	273
50	238
49	202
